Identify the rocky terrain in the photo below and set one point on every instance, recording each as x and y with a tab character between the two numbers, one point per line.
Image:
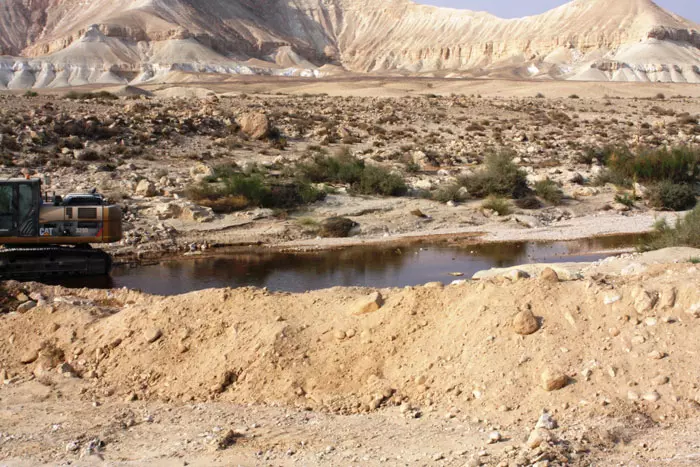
73	43
145	149
502	371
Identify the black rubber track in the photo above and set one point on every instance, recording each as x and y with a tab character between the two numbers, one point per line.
27	263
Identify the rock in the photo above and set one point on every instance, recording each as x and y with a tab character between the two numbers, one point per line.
553	380
694	310
656	355
667	297
644	302
337	227
652	396
255	125
153	335
29	356
145	188
660	380
26	306
494	437
525	323
549	275
610	299
228	440
339	335
66	369
537	437
73	446
546	421
516	274
201	171
370	304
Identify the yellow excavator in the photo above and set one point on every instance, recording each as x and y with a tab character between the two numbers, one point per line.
44	235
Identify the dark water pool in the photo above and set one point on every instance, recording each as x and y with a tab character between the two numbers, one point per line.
357	266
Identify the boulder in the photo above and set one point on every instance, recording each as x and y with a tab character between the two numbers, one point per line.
145	188
255	125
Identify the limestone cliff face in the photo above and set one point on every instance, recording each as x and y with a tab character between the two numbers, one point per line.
71	41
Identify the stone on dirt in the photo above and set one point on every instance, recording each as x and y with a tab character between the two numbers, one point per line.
525	323
255	125
553	380
153	335
369	304
549	275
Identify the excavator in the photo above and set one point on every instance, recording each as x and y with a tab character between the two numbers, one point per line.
53	236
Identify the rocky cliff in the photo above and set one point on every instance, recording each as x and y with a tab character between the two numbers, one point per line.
72	42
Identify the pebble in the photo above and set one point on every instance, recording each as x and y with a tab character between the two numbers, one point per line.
652	396
72	446
656	355
26	306
609	300
153	335
525	323
546	421
660	380
536	438
29	356
370	304
549	275
494	437
339	335
553	380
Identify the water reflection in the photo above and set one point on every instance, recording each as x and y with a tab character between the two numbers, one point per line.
360	266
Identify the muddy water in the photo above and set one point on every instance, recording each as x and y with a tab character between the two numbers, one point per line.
361	266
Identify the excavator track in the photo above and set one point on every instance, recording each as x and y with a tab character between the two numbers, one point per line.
24	263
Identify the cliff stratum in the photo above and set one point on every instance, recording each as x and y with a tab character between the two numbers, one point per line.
58	43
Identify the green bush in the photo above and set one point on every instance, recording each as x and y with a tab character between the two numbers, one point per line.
447	193
500	205
380	181
349	170
103	95
236	191
343	168
686	232
625	199
500	177
673	196
549	191
679	165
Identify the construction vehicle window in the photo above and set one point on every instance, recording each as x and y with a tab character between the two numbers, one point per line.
6	193
6	214
27	211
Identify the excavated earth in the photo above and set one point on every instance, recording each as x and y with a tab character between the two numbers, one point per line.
605	365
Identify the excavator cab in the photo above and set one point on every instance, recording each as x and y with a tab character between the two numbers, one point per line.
20	202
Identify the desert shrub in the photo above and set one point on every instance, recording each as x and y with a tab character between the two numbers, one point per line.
449	192
31	93
500	205
236	191
347	169
685	232
380	181
528	202
500	177
673	196
342	168
101	95
336	227
625	199
679	165
549	191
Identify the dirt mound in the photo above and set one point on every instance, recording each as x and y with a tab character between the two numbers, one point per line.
614	343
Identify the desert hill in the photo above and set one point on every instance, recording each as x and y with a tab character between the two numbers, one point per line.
57	43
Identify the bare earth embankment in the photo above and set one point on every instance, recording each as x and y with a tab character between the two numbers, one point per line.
456	375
